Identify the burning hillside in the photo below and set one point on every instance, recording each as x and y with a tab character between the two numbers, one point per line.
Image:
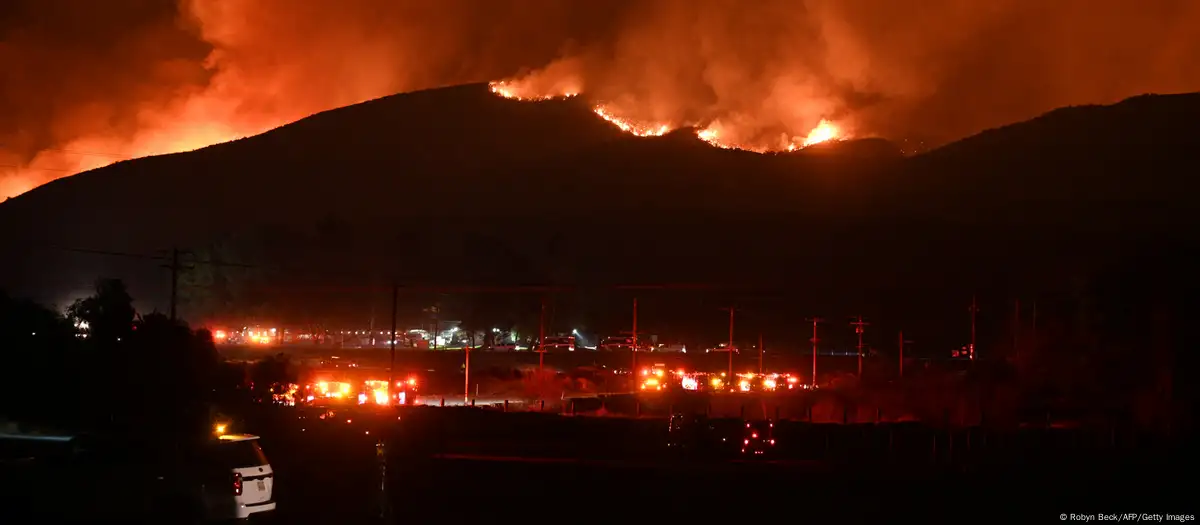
824	132
632	127
95	82
508	90
721	132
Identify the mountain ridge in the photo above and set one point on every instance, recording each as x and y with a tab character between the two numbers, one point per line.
409	183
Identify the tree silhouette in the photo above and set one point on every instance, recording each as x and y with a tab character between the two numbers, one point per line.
109	313
163	373
472	322
271	374
40	345
116	373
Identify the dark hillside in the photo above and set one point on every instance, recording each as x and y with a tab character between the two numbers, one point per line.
458	186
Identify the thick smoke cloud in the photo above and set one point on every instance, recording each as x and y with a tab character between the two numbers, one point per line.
85	82
88	82
940	69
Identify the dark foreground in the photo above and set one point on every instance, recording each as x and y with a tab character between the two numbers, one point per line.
447	465
453	465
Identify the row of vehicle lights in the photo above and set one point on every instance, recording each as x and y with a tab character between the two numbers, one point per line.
754	435
340	390
691	382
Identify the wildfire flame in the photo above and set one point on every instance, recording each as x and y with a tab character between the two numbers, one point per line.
824	132
195	129
710	135
713	133
518	91
631	127
713	136
772	70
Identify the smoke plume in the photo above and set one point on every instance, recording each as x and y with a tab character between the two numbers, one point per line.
87	83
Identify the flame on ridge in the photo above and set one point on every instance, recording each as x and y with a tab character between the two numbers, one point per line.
713	136
633	128
517	91
825	131
194	129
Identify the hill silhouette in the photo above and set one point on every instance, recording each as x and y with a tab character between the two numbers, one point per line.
1126	161
455	185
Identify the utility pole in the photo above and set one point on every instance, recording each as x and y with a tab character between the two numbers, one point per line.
541	344
174	281
974	310
760	354
371	324
815	322
900	344
633	350
392	361
381	441
858	329
729	348
1033	329
467	375
1017	328
175	268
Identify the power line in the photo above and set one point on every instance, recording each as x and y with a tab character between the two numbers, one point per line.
14	166
143	256
116	157
108	252
416	287
445	288
411	288
75	152
175	268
